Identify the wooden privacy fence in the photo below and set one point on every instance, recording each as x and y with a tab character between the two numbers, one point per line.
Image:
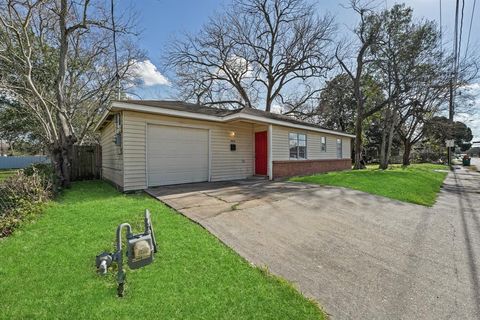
86	162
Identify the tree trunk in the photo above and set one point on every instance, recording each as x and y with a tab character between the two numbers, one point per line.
61	153
358	143
268	105
56	157
389	144
67	150
387	139
63	147
269	99
383	146
360	113
383	149
383	152
406	153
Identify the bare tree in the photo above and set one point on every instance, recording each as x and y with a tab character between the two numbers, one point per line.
367	34
428	92
257	53
407	61
428	97
411	127
56	59
404	58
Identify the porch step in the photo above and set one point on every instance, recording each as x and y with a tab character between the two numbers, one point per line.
257	178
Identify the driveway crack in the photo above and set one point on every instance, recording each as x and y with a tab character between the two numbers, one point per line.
215	197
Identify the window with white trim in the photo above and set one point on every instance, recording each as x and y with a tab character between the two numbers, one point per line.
323	144
298	145
339	149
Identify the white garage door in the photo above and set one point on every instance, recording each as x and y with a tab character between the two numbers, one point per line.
176	155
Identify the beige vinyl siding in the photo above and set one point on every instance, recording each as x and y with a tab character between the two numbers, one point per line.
280	144
260	127
112	162
346	147
225	164
230	165
134	150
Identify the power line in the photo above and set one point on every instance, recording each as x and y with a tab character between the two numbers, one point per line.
114	30
455	39
453	77
460	37
441	32
470	28
454	62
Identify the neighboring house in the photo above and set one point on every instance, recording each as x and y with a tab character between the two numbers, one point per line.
473	152
149	143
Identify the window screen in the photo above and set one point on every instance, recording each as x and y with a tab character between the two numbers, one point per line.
298	145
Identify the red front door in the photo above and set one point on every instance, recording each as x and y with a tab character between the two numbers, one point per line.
261	153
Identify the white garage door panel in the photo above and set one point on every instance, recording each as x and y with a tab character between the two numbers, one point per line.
176	155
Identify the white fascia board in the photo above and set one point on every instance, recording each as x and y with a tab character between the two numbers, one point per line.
284	124
164	111
102	119
236	116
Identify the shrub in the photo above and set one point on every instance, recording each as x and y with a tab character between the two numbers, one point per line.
22	196
46	171
43	169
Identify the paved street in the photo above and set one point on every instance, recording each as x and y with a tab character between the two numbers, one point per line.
360	256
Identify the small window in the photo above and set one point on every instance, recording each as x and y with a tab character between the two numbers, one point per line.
298	145
339	149
323	143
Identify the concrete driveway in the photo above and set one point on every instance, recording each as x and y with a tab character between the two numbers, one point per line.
360	256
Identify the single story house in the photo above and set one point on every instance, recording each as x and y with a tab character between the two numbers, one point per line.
148	143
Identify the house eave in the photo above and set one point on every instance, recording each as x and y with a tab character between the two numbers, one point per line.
103	120
117	106
258	119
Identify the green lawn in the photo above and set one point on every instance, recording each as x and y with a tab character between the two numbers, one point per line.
47	267
4	174
418	183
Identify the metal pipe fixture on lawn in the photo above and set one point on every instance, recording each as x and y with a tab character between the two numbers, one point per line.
140	251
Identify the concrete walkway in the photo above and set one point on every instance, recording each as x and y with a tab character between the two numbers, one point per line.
360	256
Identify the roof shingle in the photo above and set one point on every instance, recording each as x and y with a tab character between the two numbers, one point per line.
219	112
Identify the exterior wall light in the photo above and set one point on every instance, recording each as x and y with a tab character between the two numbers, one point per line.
231	134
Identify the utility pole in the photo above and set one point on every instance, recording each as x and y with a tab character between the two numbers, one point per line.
114	32
450	118
453	82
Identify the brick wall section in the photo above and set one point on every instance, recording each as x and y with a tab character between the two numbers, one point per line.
306	167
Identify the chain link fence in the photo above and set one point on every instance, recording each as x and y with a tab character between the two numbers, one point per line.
6	203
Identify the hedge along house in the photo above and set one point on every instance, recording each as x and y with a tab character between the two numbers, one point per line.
154	143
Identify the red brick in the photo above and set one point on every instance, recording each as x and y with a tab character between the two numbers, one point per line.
292	168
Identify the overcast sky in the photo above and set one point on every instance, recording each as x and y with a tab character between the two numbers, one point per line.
161	20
